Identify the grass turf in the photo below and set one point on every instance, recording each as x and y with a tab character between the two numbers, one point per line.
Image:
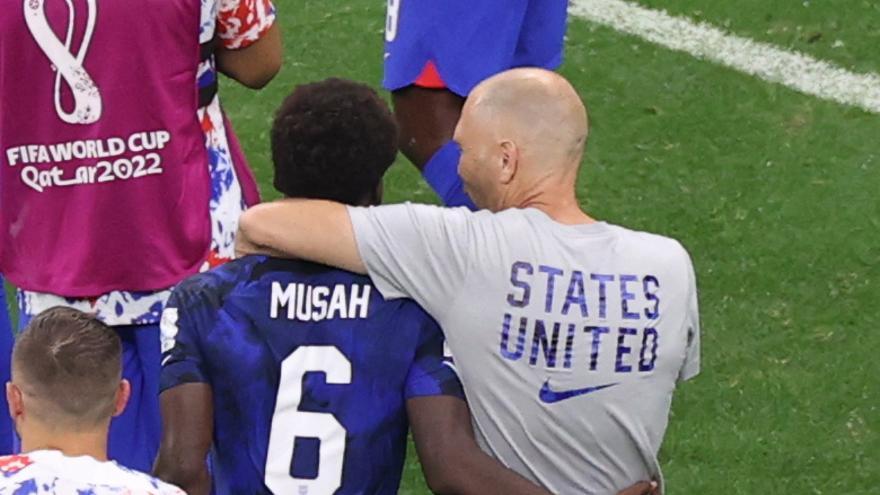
773	192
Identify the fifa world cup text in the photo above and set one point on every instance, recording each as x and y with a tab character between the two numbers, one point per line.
138	155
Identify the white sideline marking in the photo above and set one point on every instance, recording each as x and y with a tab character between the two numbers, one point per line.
763	60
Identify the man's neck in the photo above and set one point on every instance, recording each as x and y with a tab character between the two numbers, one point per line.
71	444
561	207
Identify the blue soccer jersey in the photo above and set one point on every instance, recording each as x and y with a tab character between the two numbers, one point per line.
310	369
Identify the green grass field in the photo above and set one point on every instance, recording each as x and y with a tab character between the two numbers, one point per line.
774	193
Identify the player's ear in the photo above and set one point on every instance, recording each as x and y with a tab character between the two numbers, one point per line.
509	161
123	393
14	400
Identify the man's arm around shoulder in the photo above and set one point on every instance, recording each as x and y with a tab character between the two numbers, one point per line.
314	230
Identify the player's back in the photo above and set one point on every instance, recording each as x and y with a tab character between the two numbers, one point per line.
590	326
569	339
310	369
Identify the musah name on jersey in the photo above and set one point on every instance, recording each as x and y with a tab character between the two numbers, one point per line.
302	302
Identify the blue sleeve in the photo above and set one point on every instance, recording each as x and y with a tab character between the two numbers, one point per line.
441	173
430	373
188	315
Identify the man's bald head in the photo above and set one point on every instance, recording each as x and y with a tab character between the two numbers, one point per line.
533	115
535	107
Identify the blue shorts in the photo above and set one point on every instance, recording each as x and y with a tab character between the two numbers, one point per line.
470	40
135	434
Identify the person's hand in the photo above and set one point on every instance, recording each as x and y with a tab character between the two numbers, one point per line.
642	488
244	246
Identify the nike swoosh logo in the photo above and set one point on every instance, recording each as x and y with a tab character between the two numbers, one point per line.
550	396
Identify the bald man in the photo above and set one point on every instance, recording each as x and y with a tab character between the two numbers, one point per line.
569	334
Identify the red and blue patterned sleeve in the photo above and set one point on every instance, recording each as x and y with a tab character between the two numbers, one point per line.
430	373
188	315
240	23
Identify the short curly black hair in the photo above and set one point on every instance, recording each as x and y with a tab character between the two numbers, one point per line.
333	140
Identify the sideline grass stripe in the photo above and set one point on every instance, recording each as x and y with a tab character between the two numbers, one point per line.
763	60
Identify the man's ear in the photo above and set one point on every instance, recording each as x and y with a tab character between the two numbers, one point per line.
14	400
123	393
509	161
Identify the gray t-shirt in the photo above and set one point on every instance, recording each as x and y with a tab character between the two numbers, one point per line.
569	340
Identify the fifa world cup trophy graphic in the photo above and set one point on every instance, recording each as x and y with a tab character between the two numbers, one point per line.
68	66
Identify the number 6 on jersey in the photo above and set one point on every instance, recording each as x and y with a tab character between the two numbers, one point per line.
289	423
